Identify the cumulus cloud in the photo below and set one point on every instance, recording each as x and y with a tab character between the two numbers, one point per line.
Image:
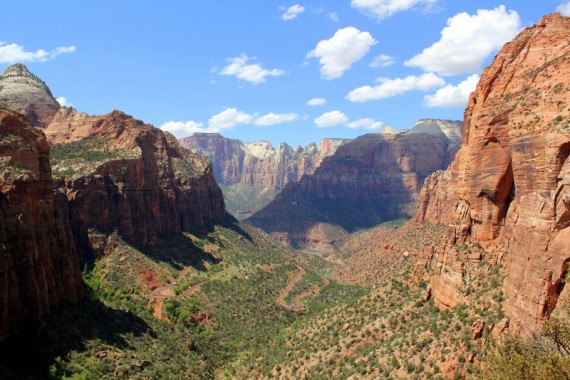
468	40
292	12
229	118
365	123
317	102
11	53
392	87
276	118
63	102
183	129
252	72
564	9
382	60
329	119
382	9
453	96
337	54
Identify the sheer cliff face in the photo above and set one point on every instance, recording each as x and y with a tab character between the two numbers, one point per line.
371	179
126	176
38	260
510	183
25	93
259	164
257	170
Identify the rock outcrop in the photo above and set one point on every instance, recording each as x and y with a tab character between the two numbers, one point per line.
27	94
371	179
121	175
253	173
38	260
509	185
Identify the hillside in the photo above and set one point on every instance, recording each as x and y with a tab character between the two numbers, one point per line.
369	180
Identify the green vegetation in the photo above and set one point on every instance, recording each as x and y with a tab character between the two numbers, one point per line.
82	157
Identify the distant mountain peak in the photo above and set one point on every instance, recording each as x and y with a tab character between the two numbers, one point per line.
24	92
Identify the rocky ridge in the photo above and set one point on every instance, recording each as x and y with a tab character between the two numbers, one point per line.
508	187
257	169
371	179
115	179
38	260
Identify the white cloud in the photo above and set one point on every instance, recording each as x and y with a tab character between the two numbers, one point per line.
63	102
382	9
252	72
11	53
292	12
564	9
276	118
453	96
317	102
333	16
330	119
337	54
392	87
183	129
229	118
468	40
382	60
365	123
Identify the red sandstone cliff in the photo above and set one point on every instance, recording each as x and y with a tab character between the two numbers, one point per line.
509	185
38	260
126	176
371	179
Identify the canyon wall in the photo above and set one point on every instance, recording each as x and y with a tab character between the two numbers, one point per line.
38	261
509	186
371	179
252	174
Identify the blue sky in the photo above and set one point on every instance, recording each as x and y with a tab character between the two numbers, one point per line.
295	71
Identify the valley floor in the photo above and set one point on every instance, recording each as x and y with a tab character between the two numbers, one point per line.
232	303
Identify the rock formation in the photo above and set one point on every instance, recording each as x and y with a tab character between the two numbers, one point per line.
113	175
38	260
126	176
371	179
509	185
27	94
251	174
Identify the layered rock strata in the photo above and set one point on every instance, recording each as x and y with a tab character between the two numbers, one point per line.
253	173
509	185
38	261
371	179
121	175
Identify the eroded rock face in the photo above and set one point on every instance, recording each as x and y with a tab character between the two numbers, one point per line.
508	185
371	179
25	93
38	260
121	175
257	168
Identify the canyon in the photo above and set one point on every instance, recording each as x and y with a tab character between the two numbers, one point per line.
252	174
369	180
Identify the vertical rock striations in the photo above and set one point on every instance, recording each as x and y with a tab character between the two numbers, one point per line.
253	173
38	260
509	185
124	176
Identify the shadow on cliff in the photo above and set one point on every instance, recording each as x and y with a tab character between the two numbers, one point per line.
30	353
